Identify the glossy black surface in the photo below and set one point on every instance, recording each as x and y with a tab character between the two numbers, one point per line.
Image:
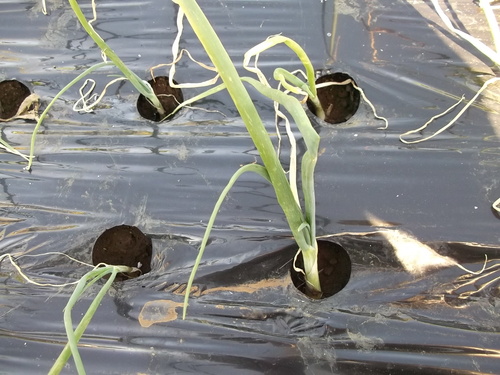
110	167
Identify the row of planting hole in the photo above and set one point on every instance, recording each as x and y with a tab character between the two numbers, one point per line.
340	102
127	245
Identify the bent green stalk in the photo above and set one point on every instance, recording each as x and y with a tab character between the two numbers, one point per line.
302	226
248	112
308	165
87	280
256	168
287	79
49	106
142	86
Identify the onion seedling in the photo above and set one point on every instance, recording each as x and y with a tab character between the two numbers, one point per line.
97	273
86	281
301	221
142	86
49	106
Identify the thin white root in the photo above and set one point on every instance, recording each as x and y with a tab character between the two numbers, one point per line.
171	74
94	18
449	124
375	114
297	269
87	100
488	273
27	279
474	272
363	95
55	253
496	205
429	122
176	56
483	48
14	151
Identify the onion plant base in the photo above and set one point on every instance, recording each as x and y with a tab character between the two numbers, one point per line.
340	101
12	95
168	96
334	266
124	245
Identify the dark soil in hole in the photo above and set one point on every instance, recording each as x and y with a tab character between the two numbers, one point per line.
340	102
334	265
124	245
169	98
12	94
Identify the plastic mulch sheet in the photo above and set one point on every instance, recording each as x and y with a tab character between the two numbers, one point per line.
97	170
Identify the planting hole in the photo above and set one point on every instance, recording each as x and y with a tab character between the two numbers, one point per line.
12	94
169	97
124	245
334	266
340	102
